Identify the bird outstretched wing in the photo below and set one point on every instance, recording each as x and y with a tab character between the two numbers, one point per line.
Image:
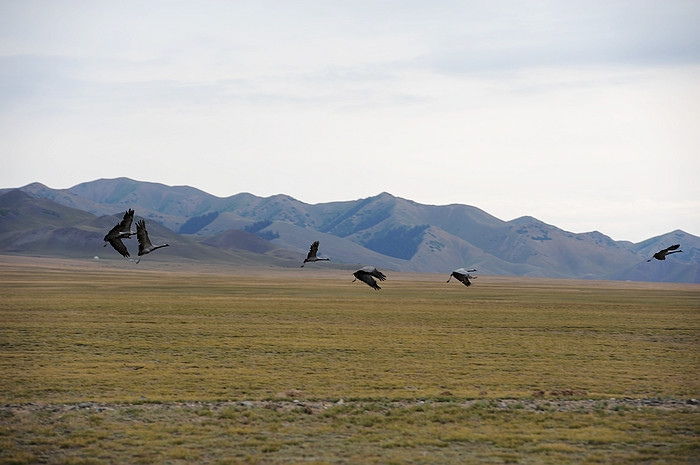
313	250
120	230
367	275
119	246
367	279
142	236
114	232
462	275
464	279
378	274
125	224
661	254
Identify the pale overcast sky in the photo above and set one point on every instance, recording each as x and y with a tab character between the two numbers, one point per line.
583	114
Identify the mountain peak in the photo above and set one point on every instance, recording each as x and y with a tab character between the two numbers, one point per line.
35	185
381	196
527	220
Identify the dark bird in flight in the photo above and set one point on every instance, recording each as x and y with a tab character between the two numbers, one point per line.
462	276
367	275
121	231
311	257
661	254
145	245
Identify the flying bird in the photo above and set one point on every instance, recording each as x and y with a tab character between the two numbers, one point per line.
121	231
311	257
367	275
462	276
145	245
661	254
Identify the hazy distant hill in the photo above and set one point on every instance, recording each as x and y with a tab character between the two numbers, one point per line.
42	227
382	230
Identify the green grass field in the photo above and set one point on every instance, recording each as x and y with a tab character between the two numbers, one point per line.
108	362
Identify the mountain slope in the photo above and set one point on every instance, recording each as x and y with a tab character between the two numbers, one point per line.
42	227
382	230
19	211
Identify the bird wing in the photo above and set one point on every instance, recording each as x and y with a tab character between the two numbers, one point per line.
461	277
114	232
142	236
312	250
125	224
119	246
367	278
673	247
378	274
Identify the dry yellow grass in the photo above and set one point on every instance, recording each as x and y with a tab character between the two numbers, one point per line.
420	366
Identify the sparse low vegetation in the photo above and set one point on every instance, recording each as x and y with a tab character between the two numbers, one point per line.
104	362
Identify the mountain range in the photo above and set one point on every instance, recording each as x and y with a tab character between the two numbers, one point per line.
383	230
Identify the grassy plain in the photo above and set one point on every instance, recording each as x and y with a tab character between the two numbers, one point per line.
108	362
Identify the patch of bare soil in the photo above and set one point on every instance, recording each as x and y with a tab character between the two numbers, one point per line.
316	406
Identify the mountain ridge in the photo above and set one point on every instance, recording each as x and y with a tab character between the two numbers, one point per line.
382	230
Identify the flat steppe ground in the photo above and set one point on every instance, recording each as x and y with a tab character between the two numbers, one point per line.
106	361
